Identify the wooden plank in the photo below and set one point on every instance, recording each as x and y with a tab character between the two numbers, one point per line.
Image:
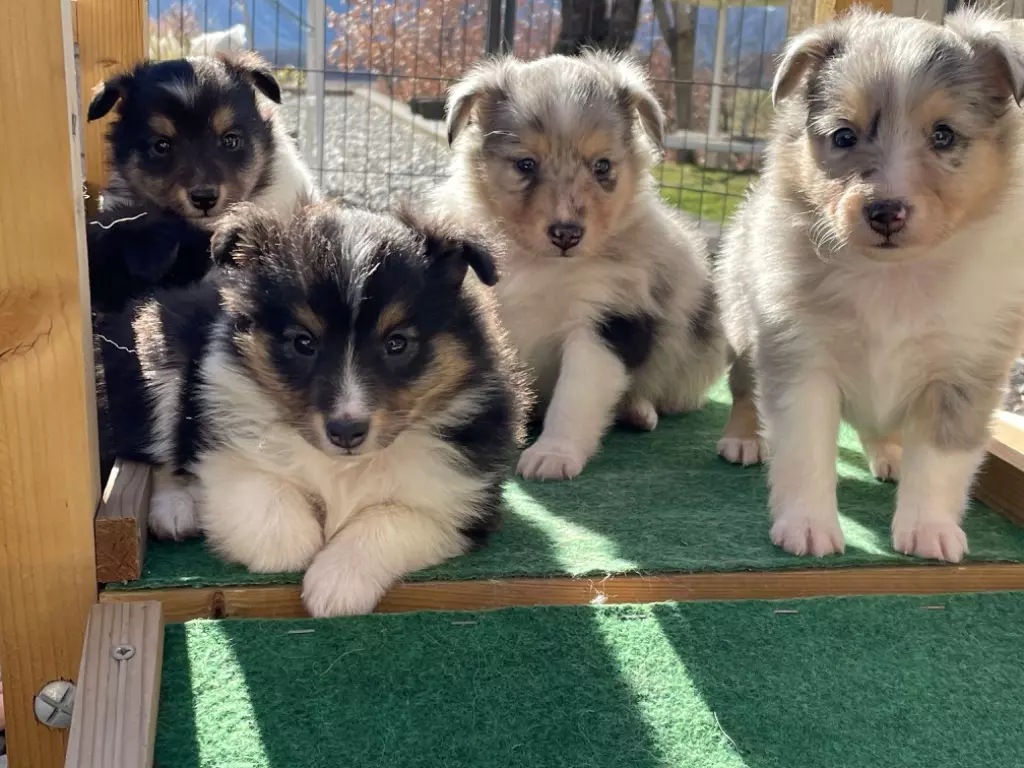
284	601
121	523
111	39
118	693
49	476
827	9
1000	483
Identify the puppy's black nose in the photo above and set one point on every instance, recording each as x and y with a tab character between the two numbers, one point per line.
565	235
203	198
887	217
347	433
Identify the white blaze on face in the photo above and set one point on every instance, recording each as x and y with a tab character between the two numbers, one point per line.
351	403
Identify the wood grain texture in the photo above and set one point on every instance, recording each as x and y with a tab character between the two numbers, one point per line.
121	523
1000	482
284	601
116	703
111	39
49	476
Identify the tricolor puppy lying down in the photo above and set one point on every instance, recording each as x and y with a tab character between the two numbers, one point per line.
335	396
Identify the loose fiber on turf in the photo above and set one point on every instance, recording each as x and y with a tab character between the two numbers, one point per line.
891	682
648	503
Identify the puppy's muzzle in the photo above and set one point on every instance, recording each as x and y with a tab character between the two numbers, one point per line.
886	217
565	235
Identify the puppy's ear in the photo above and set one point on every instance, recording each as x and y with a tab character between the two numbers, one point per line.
804	53
487	80
634	90
998	44
256	70
451	251
107	94
243	237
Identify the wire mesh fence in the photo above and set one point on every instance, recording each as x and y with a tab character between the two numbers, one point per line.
364	80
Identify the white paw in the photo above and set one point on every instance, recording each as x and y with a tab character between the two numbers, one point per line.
885	462
803	534
335	588
931	539
639	414
742	450
550	459
173	514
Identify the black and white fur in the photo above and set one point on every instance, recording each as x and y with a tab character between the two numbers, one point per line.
336	396
192	137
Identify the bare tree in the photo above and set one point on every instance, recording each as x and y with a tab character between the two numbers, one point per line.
606	24
678	23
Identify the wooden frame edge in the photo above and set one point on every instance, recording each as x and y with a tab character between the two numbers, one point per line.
118	690
1000	482
283	601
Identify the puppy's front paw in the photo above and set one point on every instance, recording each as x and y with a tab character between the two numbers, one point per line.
801	534
549	459
333	588
934	539
173	514
742	450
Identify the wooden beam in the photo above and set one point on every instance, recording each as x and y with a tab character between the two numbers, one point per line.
121	523
284	601
111	38
118	694
827	9
1000	483
49	474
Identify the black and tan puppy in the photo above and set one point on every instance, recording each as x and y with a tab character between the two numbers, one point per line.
193	136
337	397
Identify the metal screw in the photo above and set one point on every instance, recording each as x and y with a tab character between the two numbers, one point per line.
54	704
122	652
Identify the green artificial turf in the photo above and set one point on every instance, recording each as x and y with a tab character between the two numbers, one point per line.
658	502
884	682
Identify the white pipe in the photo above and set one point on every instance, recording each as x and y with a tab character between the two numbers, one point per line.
313	112
718	72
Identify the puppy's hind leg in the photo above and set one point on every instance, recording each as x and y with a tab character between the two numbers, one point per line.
741	441
884	456
173	512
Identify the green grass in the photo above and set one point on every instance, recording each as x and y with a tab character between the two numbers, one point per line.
709	195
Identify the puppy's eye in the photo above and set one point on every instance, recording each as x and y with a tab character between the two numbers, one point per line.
943	137
231	141
602	167
395	345
844	138
160	147
303	343
526	165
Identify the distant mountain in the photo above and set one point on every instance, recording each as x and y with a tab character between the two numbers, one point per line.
752	32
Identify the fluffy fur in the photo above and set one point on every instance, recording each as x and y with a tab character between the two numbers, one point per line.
193	136
874	273
605	291
334	397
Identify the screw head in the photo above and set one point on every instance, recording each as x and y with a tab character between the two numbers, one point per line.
122	652
54	704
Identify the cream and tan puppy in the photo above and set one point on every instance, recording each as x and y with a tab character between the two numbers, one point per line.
875	273
605	290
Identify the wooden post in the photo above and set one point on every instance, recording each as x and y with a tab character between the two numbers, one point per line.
111	39
49	476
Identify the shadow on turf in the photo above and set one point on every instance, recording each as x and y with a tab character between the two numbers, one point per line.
671	504
858	682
